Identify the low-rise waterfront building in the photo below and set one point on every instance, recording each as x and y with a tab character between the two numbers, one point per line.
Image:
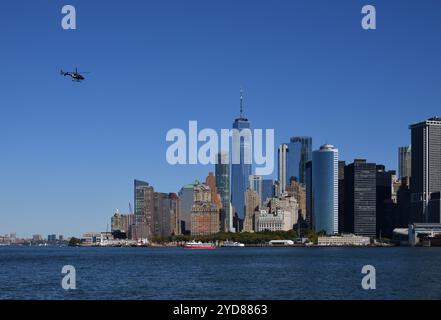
37	237
344	240
91	238
423	230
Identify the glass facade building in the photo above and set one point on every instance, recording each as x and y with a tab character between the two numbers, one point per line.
240	172
186	197
325	189
267	189
404	162
299	153
222	173
341	195
308	189
360	212
425	184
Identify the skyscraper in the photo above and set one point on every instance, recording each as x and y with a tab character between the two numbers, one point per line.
215	197
296	190
240	172
309	197
341	195
325	189
186	197
252	203
403	203
256	184
267	189
387	217
425	184
283	151
222	173
119	222
166	214
404	162
299	153
144	210
204	213
360	198
175	214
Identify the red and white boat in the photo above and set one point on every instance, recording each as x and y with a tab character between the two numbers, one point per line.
199	245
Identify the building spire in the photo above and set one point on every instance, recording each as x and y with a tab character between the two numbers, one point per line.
241	103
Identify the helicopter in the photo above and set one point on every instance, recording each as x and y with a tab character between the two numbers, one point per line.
76	76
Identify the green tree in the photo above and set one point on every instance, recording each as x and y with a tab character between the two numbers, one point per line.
74	242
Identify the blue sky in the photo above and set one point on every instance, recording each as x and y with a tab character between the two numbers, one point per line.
69	152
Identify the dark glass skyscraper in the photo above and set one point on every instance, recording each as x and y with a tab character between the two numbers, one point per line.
240	172
387	215
267	189
309	198
425	184
360	198
341	195
299	153
403	204
222	172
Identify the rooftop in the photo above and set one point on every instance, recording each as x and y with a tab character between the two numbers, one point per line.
327	147
431	121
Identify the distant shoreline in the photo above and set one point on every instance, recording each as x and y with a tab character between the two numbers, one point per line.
156	246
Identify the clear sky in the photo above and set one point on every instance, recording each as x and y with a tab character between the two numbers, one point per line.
69	152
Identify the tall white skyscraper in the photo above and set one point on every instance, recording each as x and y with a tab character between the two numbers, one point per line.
283	151
325	189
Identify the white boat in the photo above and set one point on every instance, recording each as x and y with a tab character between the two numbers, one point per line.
232	244
199	245
281	243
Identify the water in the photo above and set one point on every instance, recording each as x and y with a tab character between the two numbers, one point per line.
224	273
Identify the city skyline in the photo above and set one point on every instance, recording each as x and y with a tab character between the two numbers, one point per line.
307	68
224	173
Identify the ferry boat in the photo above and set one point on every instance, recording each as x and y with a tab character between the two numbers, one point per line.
232	244
281	243
199	245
